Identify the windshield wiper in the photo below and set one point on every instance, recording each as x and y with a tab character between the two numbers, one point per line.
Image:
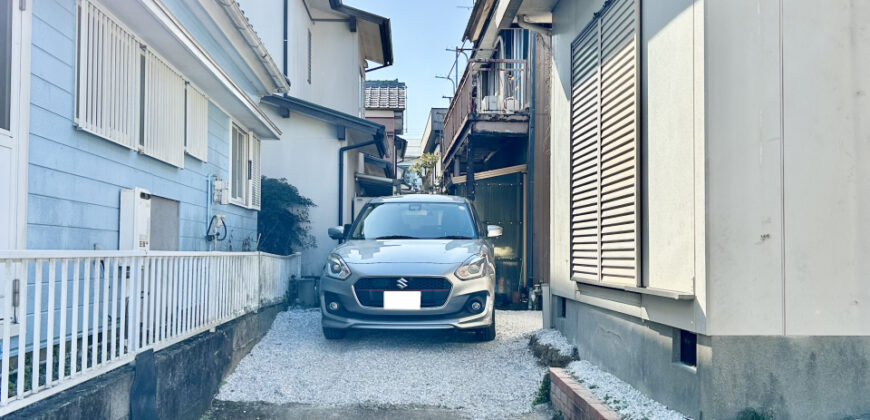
395	237
454	237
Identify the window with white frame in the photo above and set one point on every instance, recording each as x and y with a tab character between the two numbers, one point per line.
239	165
128	94
5	64
245	168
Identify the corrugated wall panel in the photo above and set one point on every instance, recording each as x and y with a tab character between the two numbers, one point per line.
604	148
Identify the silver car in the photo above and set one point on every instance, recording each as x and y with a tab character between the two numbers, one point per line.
411	262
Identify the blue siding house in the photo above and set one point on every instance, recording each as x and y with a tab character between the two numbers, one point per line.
133	126
111	109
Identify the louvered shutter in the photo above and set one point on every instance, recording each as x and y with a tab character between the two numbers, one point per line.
196	124
604	148
164	111
585	125
107	99
255	173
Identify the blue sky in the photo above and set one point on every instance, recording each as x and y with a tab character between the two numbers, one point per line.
422	30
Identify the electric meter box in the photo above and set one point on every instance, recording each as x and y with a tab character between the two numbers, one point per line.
135	226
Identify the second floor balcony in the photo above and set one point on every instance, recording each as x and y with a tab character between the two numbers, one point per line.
492	98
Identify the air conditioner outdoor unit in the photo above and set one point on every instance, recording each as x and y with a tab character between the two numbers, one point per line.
511	104
135	227
491	103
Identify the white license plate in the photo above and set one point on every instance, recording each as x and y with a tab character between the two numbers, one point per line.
402	300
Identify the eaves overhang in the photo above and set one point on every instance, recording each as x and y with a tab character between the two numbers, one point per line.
363	126
383	28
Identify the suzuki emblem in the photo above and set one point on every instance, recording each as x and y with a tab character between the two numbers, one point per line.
402	283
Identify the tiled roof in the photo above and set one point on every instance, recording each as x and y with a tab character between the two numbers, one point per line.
385	94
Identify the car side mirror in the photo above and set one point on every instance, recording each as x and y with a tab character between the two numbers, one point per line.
493	231
336	233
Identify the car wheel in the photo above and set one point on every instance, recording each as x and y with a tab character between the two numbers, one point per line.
334	333
487	333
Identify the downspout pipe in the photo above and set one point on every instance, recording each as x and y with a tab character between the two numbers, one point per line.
341	176
286	51
530	207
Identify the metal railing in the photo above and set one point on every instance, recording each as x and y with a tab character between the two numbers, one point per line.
501	89
69	316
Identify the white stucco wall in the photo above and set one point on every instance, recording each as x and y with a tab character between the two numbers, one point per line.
309	162
335	72
788	180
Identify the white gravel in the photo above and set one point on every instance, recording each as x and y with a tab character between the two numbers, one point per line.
628	402
293	363
554	339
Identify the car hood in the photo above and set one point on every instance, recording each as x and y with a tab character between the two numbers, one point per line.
432	251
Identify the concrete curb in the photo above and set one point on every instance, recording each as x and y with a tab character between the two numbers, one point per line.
574	400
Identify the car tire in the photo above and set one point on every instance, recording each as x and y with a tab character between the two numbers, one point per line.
487	333
334	333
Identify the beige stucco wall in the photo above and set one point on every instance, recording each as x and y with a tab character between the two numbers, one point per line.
672	161
788	138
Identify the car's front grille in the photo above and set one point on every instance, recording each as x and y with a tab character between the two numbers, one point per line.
434	290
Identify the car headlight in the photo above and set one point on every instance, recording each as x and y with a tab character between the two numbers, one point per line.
335	267
472	268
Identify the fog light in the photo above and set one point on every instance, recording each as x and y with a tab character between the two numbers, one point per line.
333	306
475	305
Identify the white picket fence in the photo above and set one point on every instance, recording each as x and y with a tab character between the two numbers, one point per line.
69	316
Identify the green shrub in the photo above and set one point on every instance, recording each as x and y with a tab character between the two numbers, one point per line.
283	222
543	395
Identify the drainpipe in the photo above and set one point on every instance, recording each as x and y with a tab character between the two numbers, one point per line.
341	176
285	39
530	208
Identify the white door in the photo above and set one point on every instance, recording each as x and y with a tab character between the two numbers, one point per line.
14	95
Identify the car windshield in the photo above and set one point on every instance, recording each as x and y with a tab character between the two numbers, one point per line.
415	221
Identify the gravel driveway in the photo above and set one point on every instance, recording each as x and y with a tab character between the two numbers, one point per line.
294	364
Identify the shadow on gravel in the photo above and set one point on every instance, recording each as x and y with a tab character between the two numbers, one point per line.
228	410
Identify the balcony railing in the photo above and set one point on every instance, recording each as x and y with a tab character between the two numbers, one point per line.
501	89
68	316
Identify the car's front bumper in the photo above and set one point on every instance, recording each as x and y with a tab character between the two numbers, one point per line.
453	314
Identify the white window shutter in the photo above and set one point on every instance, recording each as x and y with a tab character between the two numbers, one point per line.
605	114
108	72
585	124
255	173
196	130
164	111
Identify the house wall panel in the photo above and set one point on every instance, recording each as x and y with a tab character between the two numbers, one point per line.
744	171
667	145
826	150
75	178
